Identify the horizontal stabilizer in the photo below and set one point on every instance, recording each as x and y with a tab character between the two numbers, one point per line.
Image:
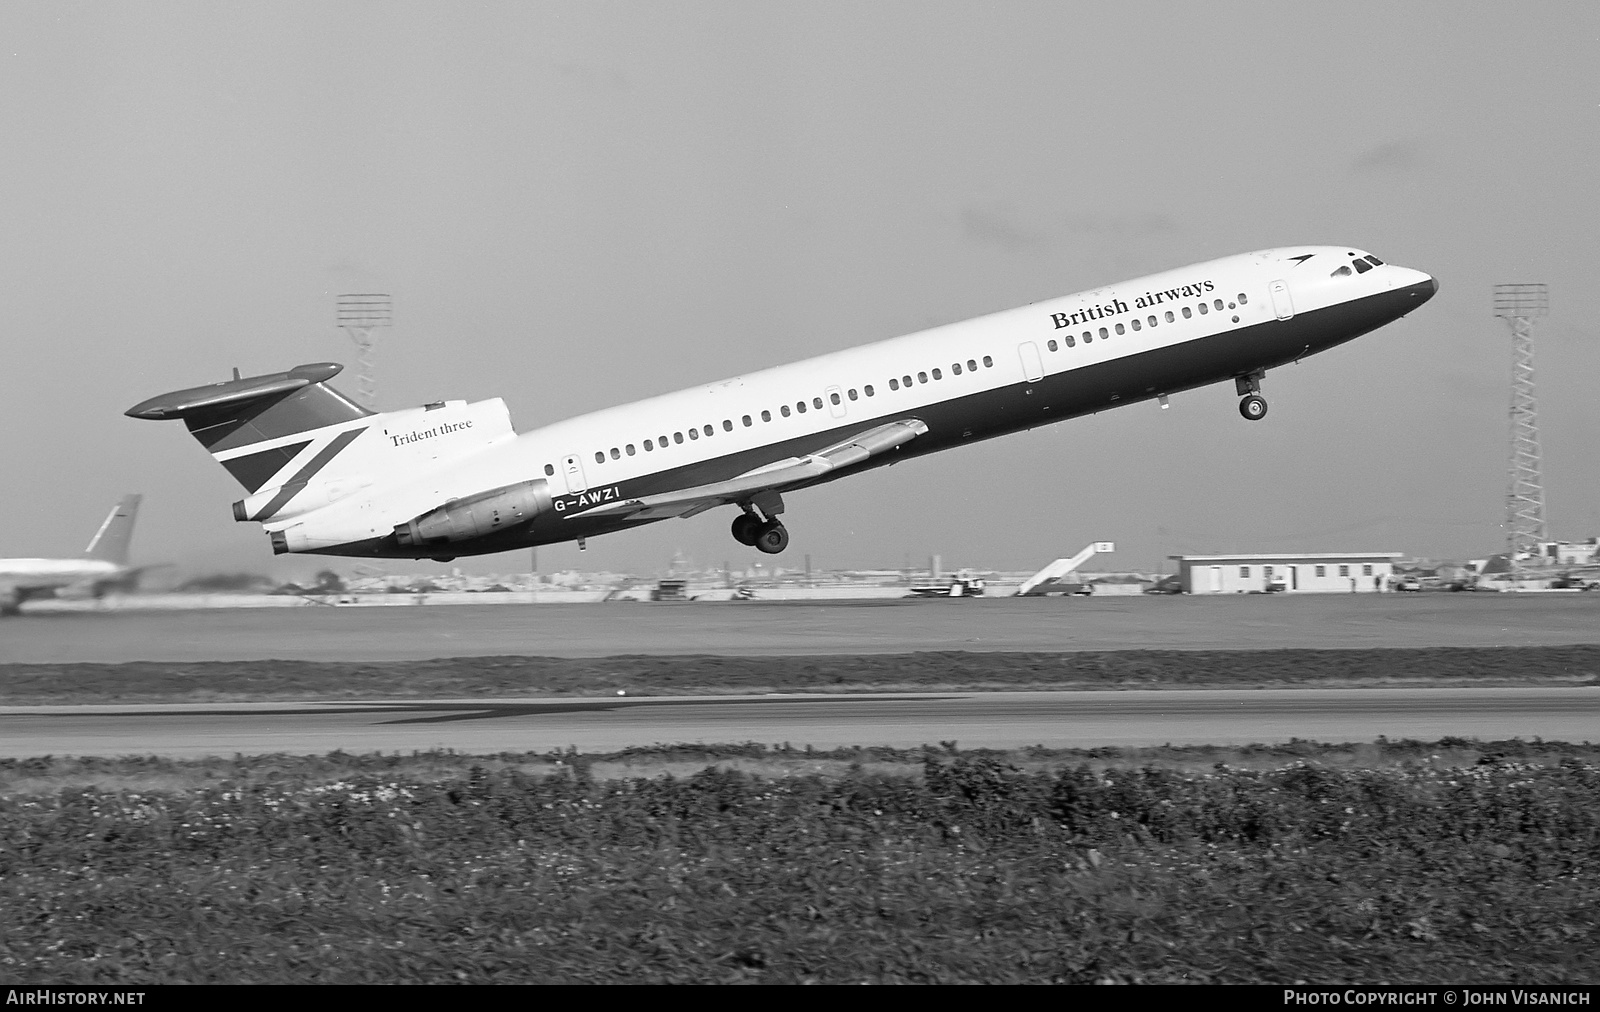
776	476
231	393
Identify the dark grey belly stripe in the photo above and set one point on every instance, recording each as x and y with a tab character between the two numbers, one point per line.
292	487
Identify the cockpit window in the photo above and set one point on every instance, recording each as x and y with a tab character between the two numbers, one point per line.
1362	266
1343	272
1374	261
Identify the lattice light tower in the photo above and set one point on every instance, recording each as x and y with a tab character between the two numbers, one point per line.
1519	305
358	316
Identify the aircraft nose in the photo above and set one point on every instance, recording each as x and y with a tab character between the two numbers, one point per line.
1424	289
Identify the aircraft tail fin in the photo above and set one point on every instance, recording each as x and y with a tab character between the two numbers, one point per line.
110	543
230	417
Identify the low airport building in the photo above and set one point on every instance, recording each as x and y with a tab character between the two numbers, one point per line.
1317	573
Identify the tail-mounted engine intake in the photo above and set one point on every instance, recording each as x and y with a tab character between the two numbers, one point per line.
477	515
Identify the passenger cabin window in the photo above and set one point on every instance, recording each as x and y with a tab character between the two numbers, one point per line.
599	456
664	442
851	393
628	449
710	430
988	363
1244	300
922	377
867	389
816	402
800	406
1135	325
1186	313
1120	330
785	410
894	384
1051	344
747	422
905	381
1169	316
939	375
727	424
615	453
1069	341
955	368
1203	309
1152	321
1219	305
832	399
677	437
649	445
694	433
972	366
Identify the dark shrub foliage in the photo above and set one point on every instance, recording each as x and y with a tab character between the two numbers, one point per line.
443	868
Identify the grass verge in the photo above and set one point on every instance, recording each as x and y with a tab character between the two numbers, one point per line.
1451	861
458	677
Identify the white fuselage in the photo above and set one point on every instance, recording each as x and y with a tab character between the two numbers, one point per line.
44	574
971	380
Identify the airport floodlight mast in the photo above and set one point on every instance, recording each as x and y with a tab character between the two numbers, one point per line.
360	315
1519	305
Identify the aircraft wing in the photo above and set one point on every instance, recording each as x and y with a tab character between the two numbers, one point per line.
776	476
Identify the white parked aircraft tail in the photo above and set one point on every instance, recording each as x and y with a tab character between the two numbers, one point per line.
111	541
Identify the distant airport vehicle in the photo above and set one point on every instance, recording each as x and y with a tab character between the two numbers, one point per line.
326	476
958	586
104	563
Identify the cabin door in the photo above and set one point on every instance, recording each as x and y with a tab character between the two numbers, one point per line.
835	401
1281	303
1032	366
576	483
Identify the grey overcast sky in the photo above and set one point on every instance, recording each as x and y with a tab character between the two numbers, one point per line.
577	205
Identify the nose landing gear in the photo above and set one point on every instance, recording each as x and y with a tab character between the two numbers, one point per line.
1253	406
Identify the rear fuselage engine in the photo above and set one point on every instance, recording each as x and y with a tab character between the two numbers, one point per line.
477	515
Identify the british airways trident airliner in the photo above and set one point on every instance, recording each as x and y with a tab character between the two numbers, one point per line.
327	476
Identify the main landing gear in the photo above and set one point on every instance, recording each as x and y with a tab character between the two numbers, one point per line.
1253	406
768	536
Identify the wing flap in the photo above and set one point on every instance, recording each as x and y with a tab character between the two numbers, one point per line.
776	475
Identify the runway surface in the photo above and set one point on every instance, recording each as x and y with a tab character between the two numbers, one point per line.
988	720
1333	621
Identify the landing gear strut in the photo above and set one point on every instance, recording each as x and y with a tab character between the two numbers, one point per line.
1253	406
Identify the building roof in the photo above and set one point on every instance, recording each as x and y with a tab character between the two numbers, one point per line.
1281	556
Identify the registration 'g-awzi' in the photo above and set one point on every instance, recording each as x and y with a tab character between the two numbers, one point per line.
325	475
